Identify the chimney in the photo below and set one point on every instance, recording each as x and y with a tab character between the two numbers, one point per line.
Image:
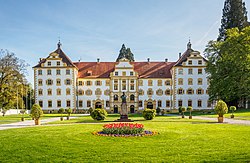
98	60
166	60
179	55
148	59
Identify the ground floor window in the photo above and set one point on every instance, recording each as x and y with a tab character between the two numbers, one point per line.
107	104
199	104
49	103
180	103
59	103
88	103
40	103
167	103
189	102
68	103
159	103
80	103
209	104
140	103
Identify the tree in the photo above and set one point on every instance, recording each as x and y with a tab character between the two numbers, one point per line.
234	15
12	77
125	53
229	75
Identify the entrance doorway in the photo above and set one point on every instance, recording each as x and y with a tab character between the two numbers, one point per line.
150	105
115	109
132	109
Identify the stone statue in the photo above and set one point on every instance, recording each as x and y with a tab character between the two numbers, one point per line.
124	111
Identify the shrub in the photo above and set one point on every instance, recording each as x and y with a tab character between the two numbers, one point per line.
158	110
123	128
90	110
221	108
36	111
148	114
68	111
189	108
232	108
98	114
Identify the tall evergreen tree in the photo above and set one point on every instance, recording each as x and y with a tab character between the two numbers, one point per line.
234	15
125	53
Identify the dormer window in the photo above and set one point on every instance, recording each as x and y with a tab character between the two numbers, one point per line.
190	62
49	63
199	62
89	73
58	63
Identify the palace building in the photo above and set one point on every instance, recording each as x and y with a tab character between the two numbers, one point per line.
59	82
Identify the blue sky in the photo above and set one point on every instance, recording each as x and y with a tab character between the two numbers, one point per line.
91	29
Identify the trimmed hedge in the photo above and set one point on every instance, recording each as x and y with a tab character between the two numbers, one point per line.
149	114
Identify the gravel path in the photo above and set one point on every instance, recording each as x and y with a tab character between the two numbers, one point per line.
31	123
226	120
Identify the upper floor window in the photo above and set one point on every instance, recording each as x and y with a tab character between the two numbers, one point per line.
49	63
199	71
107	82
40	82
80	92
150	82
40	92
49	91
89	83
190	71
190	91
49	82
180	103
150	91
131	73
68	82
180	71
67	72
168	92
199	103
88	92
168	82
58	82
199	91
58	91
115	97
190	62
159	103
58	63
180	81
190	81
40	72
124	73
67	91
140	82
98	83
58	72
159	82
180	91
199	81
80	83
132	97
199	62
48	72
116	73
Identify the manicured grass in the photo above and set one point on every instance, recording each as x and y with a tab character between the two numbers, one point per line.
180	140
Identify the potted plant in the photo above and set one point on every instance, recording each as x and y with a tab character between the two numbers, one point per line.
23	111
221	109
189	108
36	113
61	110
232	108
158	110
183	109
68	111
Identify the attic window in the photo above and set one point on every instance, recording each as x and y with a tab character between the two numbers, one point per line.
89	73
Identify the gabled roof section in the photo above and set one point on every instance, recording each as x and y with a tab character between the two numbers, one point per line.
61	54
185	55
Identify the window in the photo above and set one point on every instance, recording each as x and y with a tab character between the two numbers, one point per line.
59	103
199	71
190	62
132	87
168	82
80	92
150	91
40	92
80	83
68	103
140	103
115	97
199	103
167	92
209	104
199	81
180	91
189	102
159	82
107	104
124	73
190	71
88	92
40	72
40	82
180	103
98	83
116	73
190	91
58	82
180	71
123	84
48	72
107	82
68	81
115	86
98	91
199	91
58	91
159	103
58	63
49	103
180	81
159	92
167	103
89	83
199	62
88	103
49	82
67	72
141	92
150	82
131	73
80	103
49	63
140	82
58	72
132	97
67	91
190	81
49	92
40	103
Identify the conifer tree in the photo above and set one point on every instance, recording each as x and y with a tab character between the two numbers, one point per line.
234	15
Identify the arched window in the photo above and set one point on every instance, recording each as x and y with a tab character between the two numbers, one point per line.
150	91
116	97
141	92
190	91
199	91
180	81
159	82
88	92
80	92
150	82
98	91
199	81
67	91
168	92
67	82
132	97
159	92
180	91
190	81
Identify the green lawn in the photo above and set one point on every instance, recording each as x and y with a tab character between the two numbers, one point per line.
180	140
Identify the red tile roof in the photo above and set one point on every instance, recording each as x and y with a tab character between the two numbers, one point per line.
144	69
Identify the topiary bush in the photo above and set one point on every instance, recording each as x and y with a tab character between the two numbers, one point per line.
221	108
232	108
149	114
36	111
99	114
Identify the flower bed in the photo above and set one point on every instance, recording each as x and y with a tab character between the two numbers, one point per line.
124	130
